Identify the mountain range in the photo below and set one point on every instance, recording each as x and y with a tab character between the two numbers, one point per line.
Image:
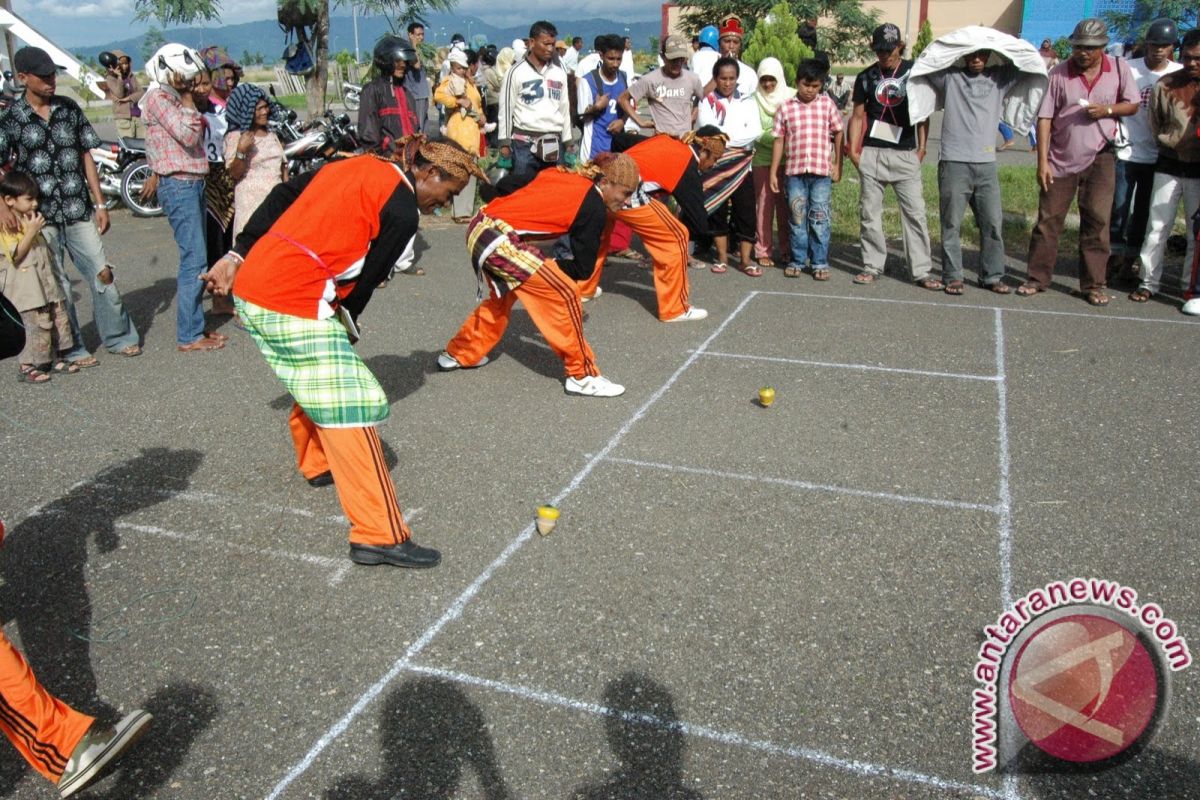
265	36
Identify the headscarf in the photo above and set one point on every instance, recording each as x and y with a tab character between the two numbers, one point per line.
770	103
215	58
239	108
617	168
504	61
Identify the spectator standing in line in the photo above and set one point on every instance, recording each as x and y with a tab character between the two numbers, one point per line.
1077	129
596	94
416	80
671	92
121	87
1048	54
535	115
771	204
570	59
49	138
387	109
888	150
253	152
839	91
732	33
807	149
1174	116
175	151
218	187
1135	164
728	187
972	99
709	51
627	60
493	79
461	128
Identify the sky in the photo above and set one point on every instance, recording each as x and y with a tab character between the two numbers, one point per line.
73	24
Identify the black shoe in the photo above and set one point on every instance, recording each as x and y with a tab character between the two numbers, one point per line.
324	479
406	554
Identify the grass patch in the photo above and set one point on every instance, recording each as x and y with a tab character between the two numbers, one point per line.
296	102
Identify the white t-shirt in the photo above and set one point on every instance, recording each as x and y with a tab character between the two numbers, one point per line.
215	127
702	63
570	60
1137	127
586	64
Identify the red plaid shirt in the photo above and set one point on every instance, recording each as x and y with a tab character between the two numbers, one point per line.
806	130
174	135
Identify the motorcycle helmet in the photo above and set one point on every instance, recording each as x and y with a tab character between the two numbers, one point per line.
107	60
391	49
173	59
709	36
1162	31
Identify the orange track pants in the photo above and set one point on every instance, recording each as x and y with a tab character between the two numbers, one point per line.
666	240
552	300
360	475
44	729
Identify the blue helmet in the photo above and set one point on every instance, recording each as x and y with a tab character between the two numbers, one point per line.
709	36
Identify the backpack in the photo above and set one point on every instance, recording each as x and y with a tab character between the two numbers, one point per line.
297	59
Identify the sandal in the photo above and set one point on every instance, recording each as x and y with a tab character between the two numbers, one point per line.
820	274
629	254
864	278
695	263
1098	297
955	287
753	270
86	361
932	284
766	263
216	337
200	345
791	272
135	349
1028	290
998	287
719	268
1140	295
31	374
64	367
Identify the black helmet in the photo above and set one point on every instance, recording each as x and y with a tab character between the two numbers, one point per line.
391	49
1162	31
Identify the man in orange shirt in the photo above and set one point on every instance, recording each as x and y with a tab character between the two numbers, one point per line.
300	287
556	203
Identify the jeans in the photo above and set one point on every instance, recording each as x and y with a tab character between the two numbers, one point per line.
525	161
1131	207
961	184
809	199
82	241
183	203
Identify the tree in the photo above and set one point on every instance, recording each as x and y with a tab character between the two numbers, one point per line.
924	37
177	12
776	36
151	41
846	38
1131	26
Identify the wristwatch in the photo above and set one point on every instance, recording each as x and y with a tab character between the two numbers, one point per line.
1110	111
240	156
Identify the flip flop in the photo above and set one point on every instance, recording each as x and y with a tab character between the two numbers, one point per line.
719	268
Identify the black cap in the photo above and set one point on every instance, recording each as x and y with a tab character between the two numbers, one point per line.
34	61
886	37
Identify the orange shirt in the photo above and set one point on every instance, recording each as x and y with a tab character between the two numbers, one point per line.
546	206
662	159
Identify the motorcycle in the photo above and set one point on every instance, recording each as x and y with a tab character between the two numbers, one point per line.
309	145
351	92
123	171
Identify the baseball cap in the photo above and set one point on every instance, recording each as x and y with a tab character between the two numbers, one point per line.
34	61
676	47
885	37
1090	32
560	45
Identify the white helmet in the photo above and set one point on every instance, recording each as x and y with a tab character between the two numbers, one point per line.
173	58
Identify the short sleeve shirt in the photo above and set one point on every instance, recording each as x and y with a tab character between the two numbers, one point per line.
1075	138
673	99
807	130
973	107
51	152
885	96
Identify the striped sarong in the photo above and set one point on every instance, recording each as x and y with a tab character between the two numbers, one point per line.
726	176
318	365
499	256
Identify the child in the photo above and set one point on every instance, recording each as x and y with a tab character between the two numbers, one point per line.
29	280
804	127
459	68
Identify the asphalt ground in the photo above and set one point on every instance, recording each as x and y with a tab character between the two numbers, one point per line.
737	602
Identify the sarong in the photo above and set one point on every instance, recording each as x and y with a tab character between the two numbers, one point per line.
725	177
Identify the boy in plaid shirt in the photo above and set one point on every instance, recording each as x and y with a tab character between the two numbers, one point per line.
804	127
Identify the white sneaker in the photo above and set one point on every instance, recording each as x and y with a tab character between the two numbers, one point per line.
448	363
691	315
584	298
1192	307
98	747
593	386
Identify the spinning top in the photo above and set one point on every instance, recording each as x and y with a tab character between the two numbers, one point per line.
766	396
547	518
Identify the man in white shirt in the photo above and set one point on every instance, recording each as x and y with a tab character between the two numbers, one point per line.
534	113
570	59
1135	165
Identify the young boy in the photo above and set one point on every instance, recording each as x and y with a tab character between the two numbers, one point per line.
459	75
29	279
804	127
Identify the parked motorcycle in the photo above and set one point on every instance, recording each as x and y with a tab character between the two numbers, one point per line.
123	171
351	94
306	146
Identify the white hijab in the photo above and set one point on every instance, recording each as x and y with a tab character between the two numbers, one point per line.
769	103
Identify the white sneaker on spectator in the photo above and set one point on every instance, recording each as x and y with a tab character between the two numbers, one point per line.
1192	307
593	386
691	315
448	363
